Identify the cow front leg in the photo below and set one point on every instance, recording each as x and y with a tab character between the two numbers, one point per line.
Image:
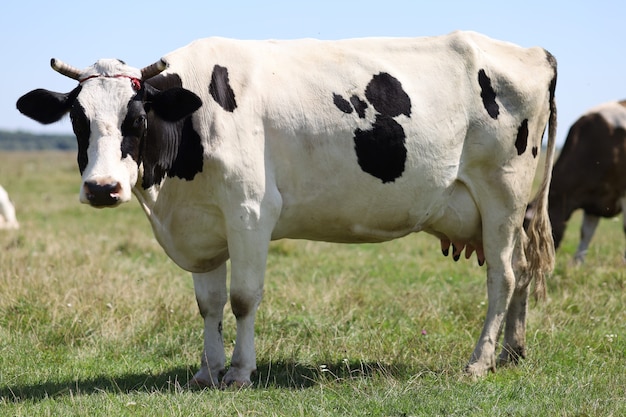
246	290
244	304
500	286
210	289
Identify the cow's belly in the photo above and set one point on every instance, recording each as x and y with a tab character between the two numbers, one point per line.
192	236
449	213
345	228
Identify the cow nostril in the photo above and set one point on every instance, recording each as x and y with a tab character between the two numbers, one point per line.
102	195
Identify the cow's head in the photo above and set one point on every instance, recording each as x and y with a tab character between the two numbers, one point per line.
110	111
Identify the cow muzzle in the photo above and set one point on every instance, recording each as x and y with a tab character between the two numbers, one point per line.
102	195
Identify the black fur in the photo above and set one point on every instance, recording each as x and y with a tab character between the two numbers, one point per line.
82	130
488	94
171	147
46	106
359	105
342	104
380	150
387	96
522	137
220	89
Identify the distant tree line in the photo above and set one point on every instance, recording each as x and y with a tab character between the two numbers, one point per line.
23	141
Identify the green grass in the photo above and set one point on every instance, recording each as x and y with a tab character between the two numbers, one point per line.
95	320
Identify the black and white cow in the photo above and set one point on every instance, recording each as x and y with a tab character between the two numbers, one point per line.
237	143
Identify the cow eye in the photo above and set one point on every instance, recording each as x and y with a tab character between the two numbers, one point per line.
139	122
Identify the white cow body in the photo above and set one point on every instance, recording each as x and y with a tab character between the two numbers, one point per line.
277	131
7	212
361	140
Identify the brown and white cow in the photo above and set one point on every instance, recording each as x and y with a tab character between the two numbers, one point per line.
237	143
590	173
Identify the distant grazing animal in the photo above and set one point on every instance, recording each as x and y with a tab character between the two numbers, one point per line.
230	144
7	212
590	174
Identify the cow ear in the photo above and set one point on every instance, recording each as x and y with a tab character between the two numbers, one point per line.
46	106
174	104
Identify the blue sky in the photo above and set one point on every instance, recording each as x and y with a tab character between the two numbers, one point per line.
586	37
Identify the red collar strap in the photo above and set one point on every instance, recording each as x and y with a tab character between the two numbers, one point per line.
135	82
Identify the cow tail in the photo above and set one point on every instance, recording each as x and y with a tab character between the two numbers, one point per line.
540	252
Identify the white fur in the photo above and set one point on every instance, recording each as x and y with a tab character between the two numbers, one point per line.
106	111
7	211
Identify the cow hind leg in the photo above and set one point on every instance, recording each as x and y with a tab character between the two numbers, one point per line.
514	348
500	286
587	230
498	246
210	289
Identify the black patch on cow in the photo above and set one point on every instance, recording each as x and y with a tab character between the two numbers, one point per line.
173	104
381	150
552	62
348	107
359	105
170	148
221	90
522	137
164	82
190	157
385	93
342	104
82	130
535	150
488	95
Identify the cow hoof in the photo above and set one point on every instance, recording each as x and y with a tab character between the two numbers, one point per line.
202	379
236	385
511	356
237	379
477	370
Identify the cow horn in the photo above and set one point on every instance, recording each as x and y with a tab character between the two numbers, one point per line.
154	69
65	69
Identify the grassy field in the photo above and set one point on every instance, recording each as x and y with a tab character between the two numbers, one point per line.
96	321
